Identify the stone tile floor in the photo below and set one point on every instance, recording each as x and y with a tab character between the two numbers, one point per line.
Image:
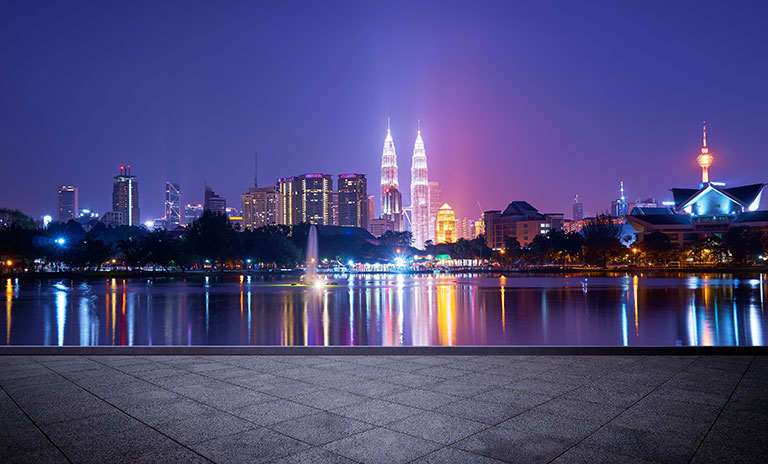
383	409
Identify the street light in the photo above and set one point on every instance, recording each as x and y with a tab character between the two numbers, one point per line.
61	241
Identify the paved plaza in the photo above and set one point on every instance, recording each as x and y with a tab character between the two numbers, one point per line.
383	409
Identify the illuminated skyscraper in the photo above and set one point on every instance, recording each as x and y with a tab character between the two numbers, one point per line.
619	206
392	206
445	225
389	179
172	205
192	211
260	207
705	157
420	219
125	197
305	198
578	209
67	202
435	201
353	200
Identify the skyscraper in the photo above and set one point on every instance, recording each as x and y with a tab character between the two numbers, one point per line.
260	207
389	182
445	225
619	205
67	202
125	197
420	219
192	211
305	198
172	205
393	207
214	203
435	201
353	200
578	209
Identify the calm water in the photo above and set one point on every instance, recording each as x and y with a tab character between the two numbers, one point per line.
682	309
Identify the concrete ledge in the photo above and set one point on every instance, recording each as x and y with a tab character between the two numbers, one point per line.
386	350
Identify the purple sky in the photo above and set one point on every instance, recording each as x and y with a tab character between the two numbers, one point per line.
536	101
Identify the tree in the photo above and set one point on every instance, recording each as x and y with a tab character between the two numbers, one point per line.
513	251
212	237
658	248
744	244
602	240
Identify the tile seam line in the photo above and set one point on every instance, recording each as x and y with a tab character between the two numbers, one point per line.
36	425
122	411
531	409
722	408
626	409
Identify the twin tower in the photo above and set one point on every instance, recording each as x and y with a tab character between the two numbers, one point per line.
391	198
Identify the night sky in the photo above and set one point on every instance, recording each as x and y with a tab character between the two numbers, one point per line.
536	101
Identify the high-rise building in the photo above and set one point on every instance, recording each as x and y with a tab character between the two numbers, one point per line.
435	201
393	207
125	197
578	209
260	207
445	225
420	207
305	198
192	211
67	202
213	202
353	200
619	206
380	226
371	208
172	205
334	208
465	228
389	181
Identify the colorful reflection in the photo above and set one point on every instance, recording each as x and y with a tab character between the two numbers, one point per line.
392	310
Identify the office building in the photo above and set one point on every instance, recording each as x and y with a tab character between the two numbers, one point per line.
445	225
393	207
173	218
521	221
379	226
213	202
435	201
352	200
125	197
305	198
260	207
192	211
619	206
578	210
67	202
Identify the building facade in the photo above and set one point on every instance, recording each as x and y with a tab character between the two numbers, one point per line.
305	198
67	202
353	206
260	207
445	225
389	182
521	221
420	207
192	211
213	202
435	202
619	206
125	197
173	217
578	209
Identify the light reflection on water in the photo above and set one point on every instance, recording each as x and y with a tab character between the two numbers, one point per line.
381	309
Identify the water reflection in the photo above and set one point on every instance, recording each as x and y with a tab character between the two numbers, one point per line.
626	310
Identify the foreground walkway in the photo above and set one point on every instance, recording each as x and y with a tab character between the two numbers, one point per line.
383	409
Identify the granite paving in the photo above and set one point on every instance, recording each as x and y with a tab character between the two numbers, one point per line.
383	409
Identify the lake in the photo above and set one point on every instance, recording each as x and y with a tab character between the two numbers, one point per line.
612	309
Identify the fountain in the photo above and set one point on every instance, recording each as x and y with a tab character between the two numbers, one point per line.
311	275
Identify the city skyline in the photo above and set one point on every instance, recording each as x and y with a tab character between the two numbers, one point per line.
528	117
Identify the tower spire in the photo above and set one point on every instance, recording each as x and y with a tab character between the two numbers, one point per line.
705	157
388	128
